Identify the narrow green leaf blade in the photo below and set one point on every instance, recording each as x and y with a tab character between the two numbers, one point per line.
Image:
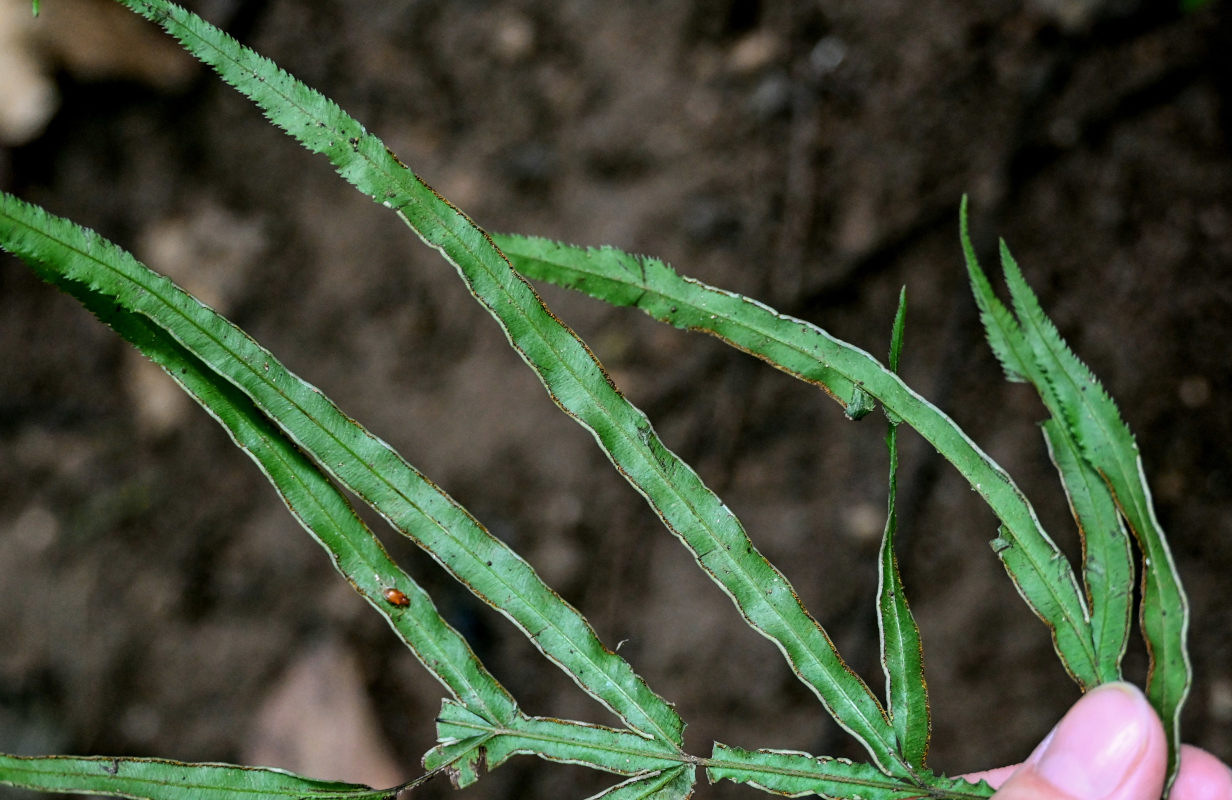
576	381
806	351
317	505
1108	565
160	779
567	742
648	284
902	652
1107	445
348	452
668	784
794	774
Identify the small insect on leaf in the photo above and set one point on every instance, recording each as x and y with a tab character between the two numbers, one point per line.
396	597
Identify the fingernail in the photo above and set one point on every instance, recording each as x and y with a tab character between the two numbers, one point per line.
1097	744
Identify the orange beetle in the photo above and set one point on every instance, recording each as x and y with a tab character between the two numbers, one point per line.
396	597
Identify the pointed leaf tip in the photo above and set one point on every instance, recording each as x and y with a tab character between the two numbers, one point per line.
1002	331
900	322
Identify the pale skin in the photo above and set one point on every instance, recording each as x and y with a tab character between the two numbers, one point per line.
1110	746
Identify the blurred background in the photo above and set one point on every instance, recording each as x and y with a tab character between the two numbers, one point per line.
157	599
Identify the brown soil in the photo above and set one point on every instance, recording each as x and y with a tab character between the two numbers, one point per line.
154	594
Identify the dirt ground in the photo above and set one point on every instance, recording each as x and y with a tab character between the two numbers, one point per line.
156	598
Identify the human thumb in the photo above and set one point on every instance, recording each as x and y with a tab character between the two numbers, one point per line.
1110	746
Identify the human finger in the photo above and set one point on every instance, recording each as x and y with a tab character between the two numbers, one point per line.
1201	777
1110	746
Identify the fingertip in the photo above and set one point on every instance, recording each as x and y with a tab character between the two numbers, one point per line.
995	777
1110	746
1201	777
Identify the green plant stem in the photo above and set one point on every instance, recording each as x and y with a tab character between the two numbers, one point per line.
558	740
